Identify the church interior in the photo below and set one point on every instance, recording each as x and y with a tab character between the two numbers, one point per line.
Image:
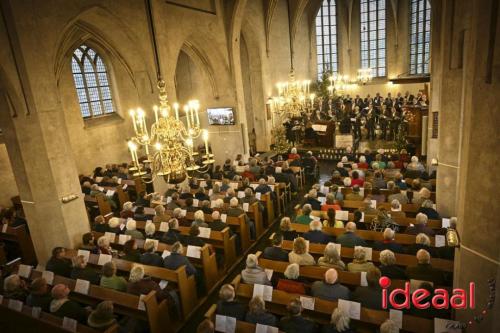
249	166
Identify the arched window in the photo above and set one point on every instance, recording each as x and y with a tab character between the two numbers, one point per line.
326	38
420	36
373	36
91	82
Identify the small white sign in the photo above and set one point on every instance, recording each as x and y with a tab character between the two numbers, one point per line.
163	284
4	228
193	251
165	254
210	192
322	200
259	328
278	169
24	271
397	317
124	187
353	309
269	273
266	292
440	241
183	213
445	223
110	193
258	195
254	186
141	305
246	206
307	302
85	254
48	276
110	236
122	239
363	281
82	286
98	179
69	324
241	194
225	324
373	204
36	311
362	217
119	181
15	305
342	215
163	227
234	186
204	232
223	217
103	259
196	202
100	188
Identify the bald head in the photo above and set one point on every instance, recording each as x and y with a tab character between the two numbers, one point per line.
331	276
350	227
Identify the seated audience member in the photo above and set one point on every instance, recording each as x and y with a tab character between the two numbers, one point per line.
371	295
329	289
230	193
420	196
377	195
337	194
217	224
396	193
103	244
293	322
132	230
82	272
331	258
15	288
336	179
139	284
388	242
330	203
349	238
312	200
131	253
420	226
88	243
100	224
185	192
286	229
396	209
359	263
150	257
102	317
206	326
347	182
177	259
188	206
257	313
367	207
339	323
362	163
174	203
300	254
263	188
293	154
378	181
422	241
160	215
389	326
415	165
150	231
114	225
109	278
139	214
275	252
58	263
86	188
62	306
173	234
253	273
358	216
388	266
400	182
428	209
356	180
205	207
127	212
305	218
315	235
199	219
331	222
424	270
354	196
39	294
235	210
201	195
291	282
216	192
340	169
192	238
227	306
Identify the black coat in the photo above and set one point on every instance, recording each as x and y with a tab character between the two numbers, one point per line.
297	324
151	259
317	236
42	301
264	318
171	236
394	247
87	274
275	253
231	309
368	297
59	266
393	272
72	310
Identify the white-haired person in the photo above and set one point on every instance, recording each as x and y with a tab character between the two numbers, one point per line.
293	321
150	231
359	263
420	195
115	226
293	154
173	233
339	323
263	188
15	288
420	226
199	219
427	208
160	215
370	296
257	313
422	241
312	199
388	243
300	254
349	237
140	284
388	266
415	165
343	171
235	210
127	211
104	246
62	306
424	270
177	259
132	230
395	193
286	229
389	326
355	194
331	258
291	281
150	257
227	306
362	162
396	209
330	289
253	273
315	233
305	218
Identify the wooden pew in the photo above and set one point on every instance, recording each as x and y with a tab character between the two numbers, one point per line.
323	310
20	236
15	321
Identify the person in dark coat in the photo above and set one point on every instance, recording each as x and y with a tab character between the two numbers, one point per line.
388	243
286	229
131	253
257	313
349	238
371	295
15	288
313	201
149	257
339	323
39	294
58	264
293	322
100	224
173	234
177	259
388	266
62	306
138	284
192	238
428	209
275	252
82	272
227	306
420	226
315	235
424	271
329	289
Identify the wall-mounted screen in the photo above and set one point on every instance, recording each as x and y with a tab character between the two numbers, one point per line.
220	116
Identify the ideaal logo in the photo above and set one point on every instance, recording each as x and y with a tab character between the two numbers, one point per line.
440	300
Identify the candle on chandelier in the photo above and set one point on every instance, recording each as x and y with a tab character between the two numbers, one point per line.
196	108
186	109
155	109
132	114
205	138
133	151
145	138
158	147
176	108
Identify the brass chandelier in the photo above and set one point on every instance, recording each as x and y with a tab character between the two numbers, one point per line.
168	145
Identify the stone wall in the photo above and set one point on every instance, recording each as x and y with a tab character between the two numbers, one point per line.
7	183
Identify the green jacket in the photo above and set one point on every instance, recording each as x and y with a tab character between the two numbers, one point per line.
114	282
303	219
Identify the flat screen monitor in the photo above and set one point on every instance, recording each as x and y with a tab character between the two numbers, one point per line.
220	116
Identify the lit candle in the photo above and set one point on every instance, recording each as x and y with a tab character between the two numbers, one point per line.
186	109
145	138
158	147
205	138
189	142
132	146
176	108
155	109
132	114
196	108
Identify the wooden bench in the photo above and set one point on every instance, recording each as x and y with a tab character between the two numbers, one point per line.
19	235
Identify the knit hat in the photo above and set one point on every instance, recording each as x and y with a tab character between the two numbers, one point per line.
102	316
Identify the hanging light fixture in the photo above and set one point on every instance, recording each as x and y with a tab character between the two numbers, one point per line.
168	144
365	75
